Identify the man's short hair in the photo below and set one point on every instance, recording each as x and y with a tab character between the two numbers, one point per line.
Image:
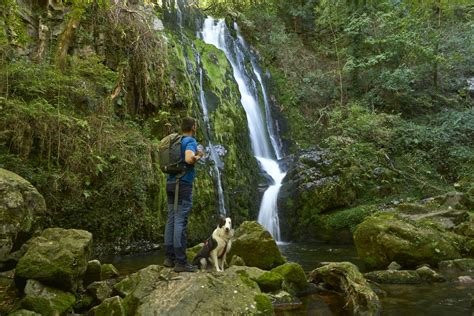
187	124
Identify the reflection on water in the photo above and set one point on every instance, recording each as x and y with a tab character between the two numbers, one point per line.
447	298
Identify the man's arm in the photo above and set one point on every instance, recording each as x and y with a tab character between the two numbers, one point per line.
191	157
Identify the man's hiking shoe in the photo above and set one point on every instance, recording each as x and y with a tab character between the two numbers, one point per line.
179	267
168	263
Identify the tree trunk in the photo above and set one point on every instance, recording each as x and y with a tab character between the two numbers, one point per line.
66	37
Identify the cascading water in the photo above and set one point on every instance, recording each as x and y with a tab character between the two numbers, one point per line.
215	32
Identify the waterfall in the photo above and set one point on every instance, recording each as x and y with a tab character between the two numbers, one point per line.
215	32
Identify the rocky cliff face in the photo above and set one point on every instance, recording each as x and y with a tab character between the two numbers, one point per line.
90	89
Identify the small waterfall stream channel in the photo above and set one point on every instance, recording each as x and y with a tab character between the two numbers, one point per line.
449	298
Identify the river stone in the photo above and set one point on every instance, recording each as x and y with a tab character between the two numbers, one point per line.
20	208
100	290
108	271
269	281
429	275
294	278
283	301
57	257
92	273
111	306
256	246
394	266
237	261
385	237
345	278
46	300
455	268
212	293
394	277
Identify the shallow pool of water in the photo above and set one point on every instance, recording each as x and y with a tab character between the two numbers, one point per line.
449	298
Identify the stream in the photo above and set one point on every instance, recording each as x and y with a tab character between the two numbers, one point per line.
448	298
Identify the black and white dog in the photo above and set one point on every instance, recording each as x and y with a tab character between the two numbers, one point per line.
216	247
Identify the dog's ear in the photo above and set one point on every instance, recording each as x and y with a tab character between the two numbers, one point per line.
221	222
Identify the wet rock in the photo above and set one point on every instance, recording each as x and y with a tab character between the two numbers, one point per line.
454	268
385	237
255	246
8	291
111	306
394	266
57	257
157	290
100	290
312	186
465	279
92	273
108	271
21	205
270	281
465	229
46	300
345	278
394	277
283	301
428	275
294	278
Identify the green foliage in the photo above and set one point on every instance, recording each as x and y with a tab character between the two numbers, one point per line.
348	218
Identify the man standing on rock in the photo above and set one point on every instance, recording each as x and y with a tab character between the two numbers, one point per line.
176	225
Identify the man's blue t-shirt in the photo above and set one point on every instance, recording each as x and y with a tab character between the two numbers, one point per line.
187	143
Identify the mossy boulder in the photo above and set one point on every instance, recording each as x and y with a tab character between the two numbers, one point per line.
57	257
111	306
256	246
237	261
312	186
214	293
465	229
46	300
385	237
100	290
394	277
21	205
108	271
345	278
294	277
270	281
92	272
283	301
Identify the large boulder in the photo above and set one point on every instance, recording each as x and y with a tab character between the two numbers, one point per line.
294	278
255	246
418	276
345	278
46	300
57	257
111	306
386	237
459	267
156	290
313	185
20	208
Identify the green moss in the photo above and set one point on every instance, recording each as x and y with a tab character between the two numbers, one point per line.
294	277
270	281
264	304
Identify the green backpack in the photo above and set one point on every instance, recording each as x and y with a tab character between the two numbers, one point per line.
170	155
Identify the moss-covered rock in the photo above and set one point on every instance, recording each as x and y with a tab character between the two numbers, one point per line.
111	306
345	278
394	277
21	205
100	290
57	257
237	261
312	186
108	271
385	237
465	229
263	304
283	301
135	287
294	278
270	281
256	246
92	273
429	275
46	300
